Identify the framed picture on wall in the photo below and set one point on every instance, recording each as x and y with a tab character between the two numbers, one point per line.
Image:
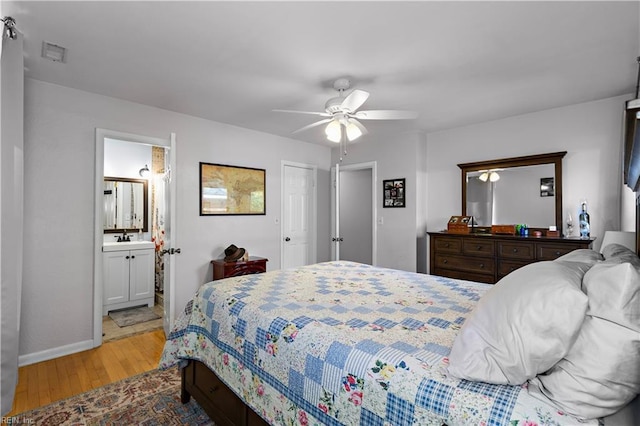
231	190
393	193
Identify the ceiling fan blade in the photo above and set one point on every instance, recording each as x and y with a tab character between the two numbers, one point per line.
322	114
386	114
354	100
309	126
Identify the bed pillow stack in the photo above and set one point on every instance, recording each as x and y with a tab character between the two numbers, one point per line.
601	372
524	324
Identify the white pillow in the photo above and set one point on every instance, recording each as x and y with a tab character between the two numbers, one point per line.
523	325
619	254
581	255
601	372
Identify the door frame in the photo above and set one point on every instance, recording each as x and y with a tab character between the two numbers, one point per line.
313	212
373	166
100	135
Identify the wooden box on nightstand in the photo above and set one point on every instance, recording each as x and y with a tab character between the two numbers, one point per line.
222	269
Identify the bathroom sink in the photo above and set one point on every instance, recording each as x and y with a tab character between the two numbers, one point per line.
127	245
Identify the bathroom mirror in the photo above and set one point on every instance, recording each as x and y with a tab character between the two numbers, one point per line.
125	204
514	190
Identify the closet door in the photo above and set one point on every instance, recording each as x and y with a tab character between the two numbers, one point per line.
354	209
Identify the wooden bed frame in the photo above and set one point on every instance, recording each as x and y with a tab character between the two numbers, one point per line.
221	404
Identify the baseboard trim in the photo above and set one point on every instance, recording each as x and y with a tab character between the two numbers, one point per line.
52	353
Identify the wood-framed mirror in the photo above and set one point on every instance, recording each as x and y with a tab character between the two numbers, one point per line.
125	205
517	190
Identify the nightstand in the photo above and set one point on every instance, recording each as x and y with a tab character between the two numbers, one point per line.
222	269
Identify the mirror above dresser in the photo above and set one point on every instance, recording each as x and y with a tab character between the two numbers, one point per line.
514	190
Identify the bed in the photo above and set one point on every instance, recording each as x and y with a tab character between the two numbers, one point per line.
342	343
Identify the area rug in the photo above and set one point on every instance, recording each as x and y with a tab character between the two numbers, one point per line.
151	398
127	317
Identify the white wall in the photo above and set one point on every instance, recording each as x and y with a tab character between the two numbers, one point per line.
59	184
397	157
591	133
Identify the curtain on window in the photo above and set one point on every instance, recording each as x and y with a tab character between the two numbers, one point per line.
11	210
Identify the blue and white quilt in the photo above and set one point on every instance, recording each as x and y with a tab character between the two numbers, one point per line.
341	343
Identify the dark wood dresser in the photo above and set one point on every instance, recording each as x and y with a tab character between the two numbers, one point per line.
487	258
222	269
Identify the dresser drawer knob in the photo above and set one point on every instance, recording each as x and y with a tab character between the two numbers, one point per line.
557	253
482	265
479	248
213	389
446	245
445	261
515	250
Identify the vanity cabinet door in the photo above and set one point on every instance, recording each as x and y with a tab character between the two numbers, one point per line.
141	269
115	277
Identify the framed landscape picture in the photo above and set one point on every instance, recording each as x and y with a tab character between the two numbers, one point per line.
393	193
231	190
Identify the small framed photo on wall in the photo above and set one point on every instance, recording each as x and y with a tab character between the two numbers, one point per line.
393	193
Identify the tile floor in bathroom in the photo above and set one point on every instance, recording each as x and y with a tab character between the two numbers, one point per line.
111	331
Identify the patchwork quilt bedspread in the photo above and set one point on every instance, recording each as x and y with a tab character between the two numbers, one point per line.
344	343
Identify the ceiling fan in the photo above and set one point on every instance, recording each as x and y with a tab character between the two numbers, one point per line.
343	117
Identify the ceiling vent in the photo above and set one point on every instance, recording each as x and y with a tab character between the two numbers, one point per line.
53	52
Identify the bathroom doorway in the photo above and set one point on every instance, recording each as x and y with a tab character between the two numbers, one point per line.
149	160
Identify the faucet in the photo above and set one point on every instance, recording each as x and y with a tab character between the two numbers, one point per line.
124	237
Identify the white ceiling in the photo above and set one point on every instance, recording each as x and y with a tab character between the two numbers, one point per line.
455	63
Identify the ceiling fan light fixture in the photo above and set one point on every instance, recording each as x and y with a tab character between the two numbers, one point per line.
493	176
353	132
333	131
484	176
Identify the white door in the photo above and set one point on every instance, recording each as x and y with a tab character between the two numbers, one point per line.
170	236
141	271
353	224
299	215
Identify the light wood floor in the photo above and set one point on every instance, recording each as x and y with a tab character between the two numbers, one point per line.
49	381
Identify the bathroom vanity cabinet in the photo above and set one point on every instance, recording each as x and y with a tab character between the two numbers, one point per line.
128	275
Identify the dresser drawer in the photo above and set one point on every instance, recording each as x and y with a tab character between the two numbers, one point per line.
468	264
507	266
219	395
553	251
476	247
448	245
223	269
245	269
516	250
